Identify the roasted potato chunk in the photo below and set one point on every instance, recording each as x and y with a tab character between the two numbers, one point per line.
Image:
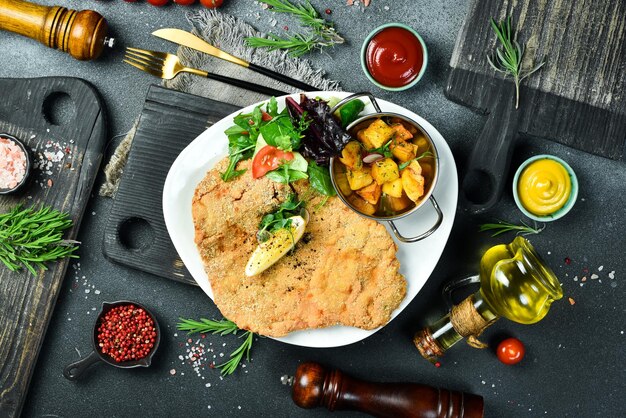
376	135
427	169
371	193
397	204
385	170
403	151
343	184
393	188
401	133
421	142
413	181
360	135
358	179
351	155
362	205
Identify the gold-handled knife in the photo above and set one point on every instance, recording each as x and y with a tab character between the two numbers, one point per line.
187	39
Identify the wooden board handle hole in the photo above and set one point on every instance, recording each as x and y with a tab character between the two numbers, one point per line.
135	234
59	109
478	187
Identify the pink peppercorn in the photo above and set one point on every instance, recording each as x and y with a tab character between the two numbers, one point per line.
126	333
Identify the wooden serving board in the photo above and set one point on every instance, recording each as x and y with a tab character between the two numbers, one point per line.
75	143
135	233
578	98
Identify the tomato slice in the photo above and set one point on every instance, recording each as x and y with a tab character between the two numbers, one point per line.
265	117
267	159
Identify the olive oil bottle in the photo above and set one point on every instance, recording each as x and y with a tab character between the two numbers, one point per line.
514	283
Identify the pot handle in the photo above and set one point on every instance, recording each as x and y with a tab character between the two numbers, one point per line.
354	96
75	370
420	237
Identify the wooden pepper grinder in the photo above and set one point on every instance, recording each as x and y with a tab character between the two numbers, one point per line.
81	34
315	386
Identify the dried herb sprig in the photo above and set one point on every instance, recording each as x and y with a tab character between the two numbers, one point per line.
502	227
508	57
30	238
324	32
296	45
222	327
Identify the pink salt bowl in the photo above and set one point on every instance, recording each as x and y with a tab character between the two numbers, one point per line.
15	164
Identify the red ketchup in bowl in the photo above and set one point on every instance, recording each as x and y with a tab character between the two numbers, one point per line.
394	57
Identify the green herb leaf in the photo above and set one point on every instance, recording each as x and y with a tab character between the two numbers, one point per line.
508	57
240	147
31	237
419	157
502	227
236	356
286	175
281	133
350	111
223	327
279	219
384	150
319	178
324	33
272	107
236	130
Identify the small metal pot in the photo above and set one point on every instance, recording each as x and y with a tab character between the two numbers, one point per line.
75	370
428	194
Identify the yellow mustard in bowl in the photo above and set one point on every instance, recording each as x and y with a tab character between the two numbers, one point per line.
544	187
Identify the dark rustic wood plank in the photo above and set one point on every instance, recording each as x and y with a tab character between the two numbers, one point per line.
578	98
170	120
27	302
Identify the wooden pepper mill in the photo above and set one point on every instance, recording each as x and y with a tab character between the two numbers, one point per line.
315	386
81	34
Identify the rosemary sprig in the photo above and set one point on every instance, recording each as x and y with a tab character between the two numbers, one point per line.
222	327
30	238
296	45
502	227
508	57
324	32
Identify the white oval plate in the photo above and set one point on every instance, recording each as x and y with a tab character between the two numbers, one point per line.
417	260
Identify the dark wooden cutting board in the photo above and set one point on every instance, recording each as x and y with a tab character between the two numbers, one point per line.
135	233
54	115
578	98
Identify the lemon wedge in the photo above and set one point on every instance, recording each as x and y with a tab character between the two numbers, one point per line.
269	252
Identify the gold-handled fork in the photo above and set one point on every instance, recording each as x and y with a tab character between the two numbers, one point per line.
168	66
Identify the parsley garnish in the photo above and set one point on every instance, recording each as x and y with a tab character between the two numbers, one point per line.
279	219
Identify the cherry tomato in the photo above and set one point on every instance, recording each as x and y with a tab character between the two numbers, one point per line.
184	2
211	4
511	351
158	3
267	159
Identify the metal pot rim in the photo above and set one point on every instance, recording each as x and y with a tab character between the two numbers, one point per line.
426	196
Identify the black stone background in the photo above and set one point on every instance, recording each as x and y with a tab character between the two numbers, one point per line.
574	366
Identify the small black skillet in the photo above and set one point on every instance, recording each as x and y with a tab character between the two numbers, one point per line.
75	370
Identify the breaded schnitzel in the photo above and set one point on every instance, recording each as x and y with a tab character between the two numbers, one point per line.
344	270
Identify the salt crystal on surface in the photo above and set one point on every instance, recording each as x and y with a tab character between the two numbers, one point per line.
173	372
612	275
600	268
594	276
